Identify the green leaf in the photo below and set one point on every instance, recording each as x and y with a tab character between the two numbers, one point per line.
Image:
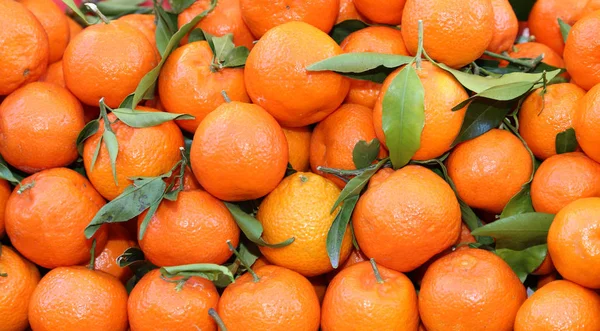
566	142
519	204
564	29
519	231
88	130
338	229
403	116
7	174
356	184
166	27
481	116
196	35
115	9
146	119
359	62
223	46
524	262
340	31
180	5
130	256
76	10
151	211
252	228
236	58
112	145
206	270
96	153
365	153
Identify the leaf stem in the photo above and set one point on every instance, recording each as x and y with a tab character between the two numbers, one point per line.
376	271
92	255
419	55
530	63
254	275
95	10
215	316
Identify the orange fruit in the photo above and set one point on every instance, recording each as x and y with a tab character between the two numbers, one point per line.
74	28
586	121
544	114
399	236
546	279
77	298
260	262
490	169
383	12
590	7
45	222
356	256
263	15
239	152
39	124
55	24
451	284
442	125
24	47
155	304
279	82
380	176
224	19
531	50
119	240
356	300
300	208
93	69
194	228
143	23
562	179
581	51
543	20
5	191
189	71
506	27
573	244
298	140
54	74
376	39
546	268
348	12
446	24
17	287
560	305
137	155
281	300
334	138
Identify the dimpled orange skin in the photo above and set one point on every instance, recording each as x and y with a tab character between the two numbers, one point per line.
118	241
543	20
586	122
446	24
390	229
17	288
562	179
442	93
263	15
532	50
39	125
282	300
546	268
470	289
348	12
591	6
77	298
356	301
300	208
74	28
224	19
45	222
145	24
55	24
542	117
376	39
490	169
573	242
143	152
581	53
299	147
155	304
506	27
239	152
188	72
93	69
560	305
355	257
54	75
24	49
5	191
276	78
384	12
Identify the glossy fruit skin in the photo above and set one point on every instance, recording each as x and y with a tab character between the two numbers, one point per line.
282	300
506	27
74	27
581	51
137	157
532	50
348	12
55	24
39	125
93	70
77	298
144	23
399	236
560	305
239	152
17	288
384	12
298	140
586	121
442	125
263	15
24	49
546	268
45	222
276	78
573	244
5	191
54	74
119	240
188	72
155	304
543	20
334	138
447	24
446	299
377	39
542	117
356	301
490	169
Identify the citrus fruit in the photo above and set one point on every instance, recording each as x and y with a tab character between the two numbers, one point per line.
298	140
543	20
348	12
54	74
55	24
506	27
5	191
586	122
581	51
383	12
546	268
144	24
74	28
119	240
531	50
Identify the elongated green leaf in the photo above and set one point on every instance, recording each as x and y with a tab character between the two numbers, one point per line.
519	204
236	58
112	145
357	184
519	231
180	5
481	116
338	229
196	35
564	29
88	130
403	116
130	256
145	119
151	211
524	262
223	46
116	9
96	153
359	62
566	142
252	228
207	270
340	31
365	153
71	4
166	26
7	174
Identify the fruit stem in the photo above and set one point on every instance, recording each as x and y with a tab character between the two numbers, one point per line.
25	187
213	313
92	255
225	96
254	275
419	55
531	63
376	271
95	10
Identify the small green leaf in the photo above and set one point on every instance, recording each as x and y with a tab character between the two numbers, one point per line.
403	116
564	29
130	256
223	46
7	174
358	183
519	231
566	142
166	26
112	145
206	270
519	204
146	119
71	4
236	58
340	31
88	130
360	62
151	211
116	8
365	153
196	35
481	116
252	228
180	5
96	153
524	262
338	229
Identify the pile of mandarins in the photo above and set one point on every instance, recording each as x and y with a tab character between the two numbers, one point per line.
300	165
